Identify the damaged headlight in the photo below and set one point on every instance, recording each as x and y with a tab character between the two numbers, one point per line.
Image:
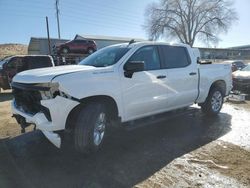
48	90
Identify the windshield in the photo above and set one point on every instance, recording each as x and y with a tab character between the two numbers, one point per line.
247	68
105	57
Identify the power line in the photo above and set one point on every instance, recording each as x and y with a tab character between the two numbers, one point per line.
119	11
24	15
114	20
107	19
27	5
98	24
107	15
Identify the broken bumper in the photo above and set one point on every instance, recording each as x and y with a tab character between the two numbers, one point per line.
59	109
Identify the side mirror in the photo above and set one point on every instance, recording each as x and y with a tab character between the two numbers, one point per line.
132	67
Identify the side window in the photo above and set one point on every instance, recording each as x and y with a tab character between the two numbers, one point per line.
175	57
81	41
150	56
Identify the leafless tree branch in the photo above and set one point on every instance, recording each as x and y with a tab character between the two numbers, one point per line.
188	20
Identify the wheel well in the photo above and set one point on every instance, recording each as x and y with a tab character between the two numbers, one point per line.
221	84
108	101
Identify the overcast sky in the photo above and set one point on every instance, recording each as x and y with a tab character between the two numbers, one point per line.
21	20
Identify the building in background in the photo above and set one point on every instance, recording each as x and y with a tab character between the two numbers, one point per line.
39	46
244	47
224	53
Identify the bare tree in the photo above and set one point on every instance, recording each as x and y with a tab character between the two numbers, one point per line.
188	20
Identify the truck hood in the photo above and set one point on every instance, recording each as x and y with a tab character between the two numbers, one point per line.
242	74
45	75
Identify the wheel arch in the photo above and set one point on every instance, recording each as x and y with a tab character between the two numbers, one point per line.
105	99
221	84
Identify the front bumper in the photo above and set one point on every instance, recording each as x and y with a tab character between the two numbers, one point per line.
59	109
242	85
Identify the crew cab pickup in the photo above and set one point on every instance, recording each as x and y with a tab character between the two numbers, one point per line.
118	84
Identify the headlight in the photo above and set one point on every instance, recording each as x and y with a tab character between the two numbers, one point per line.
48	90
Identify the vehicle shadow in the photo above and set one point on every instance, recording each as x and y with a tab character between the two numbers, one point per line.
6	96
126	159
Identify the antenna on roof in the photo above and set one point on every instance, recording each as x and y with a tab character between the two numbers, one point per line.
132	41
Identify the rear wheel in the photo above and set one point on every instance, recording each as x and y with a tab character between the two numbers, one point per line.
214	102
90	128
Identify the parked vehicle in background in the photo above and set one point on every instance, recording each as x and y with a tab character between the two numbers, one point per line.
117	85
236	64
10	66
77	46
241	80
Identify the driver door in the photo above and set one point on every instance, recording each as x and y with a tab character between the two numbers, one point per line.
143	93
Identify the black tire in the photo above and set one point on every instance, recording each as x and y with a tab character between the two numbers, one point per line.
85	128
65	50
211	108
91	51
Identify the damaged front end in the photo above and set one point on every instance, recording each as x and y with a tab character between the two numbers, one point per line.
42	105
28	97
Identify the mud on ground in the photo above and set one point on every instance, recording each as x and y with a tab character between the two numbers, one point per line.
190	151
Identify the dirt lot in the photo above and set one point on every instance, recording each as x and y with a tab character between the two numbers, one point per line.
190	151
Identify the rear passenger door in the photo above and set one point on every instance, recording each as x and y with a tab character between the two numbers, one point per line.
182	76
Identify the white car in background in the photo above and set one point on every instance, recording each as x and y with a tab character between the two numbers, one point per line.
241	80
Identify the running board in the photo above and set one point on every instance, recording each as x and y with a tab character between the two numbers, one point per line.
131	125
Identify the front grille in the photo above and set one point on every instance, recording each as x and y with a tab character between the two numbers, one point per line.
242	85
28	101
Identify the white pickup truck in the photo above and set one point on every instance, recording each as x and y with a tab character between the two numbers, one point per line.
120	83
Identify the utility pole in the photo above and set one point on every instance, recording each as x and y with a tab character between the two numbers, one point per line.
57	16
47	24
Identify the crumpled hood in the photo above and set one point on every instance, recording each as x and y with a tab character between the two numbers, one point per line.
45	75
242	74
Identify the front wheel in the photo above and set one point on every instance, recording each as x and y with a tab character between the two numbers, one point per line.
90	128
214	102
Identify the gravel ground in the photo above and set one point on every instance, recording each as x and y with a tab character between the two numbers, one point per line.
189	151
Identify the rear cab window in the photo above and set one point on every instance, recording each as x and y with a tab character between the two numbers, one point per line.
174	57
35	62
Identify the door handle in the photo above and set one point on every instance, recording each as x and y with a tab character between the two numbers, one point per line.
192	73
161	77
